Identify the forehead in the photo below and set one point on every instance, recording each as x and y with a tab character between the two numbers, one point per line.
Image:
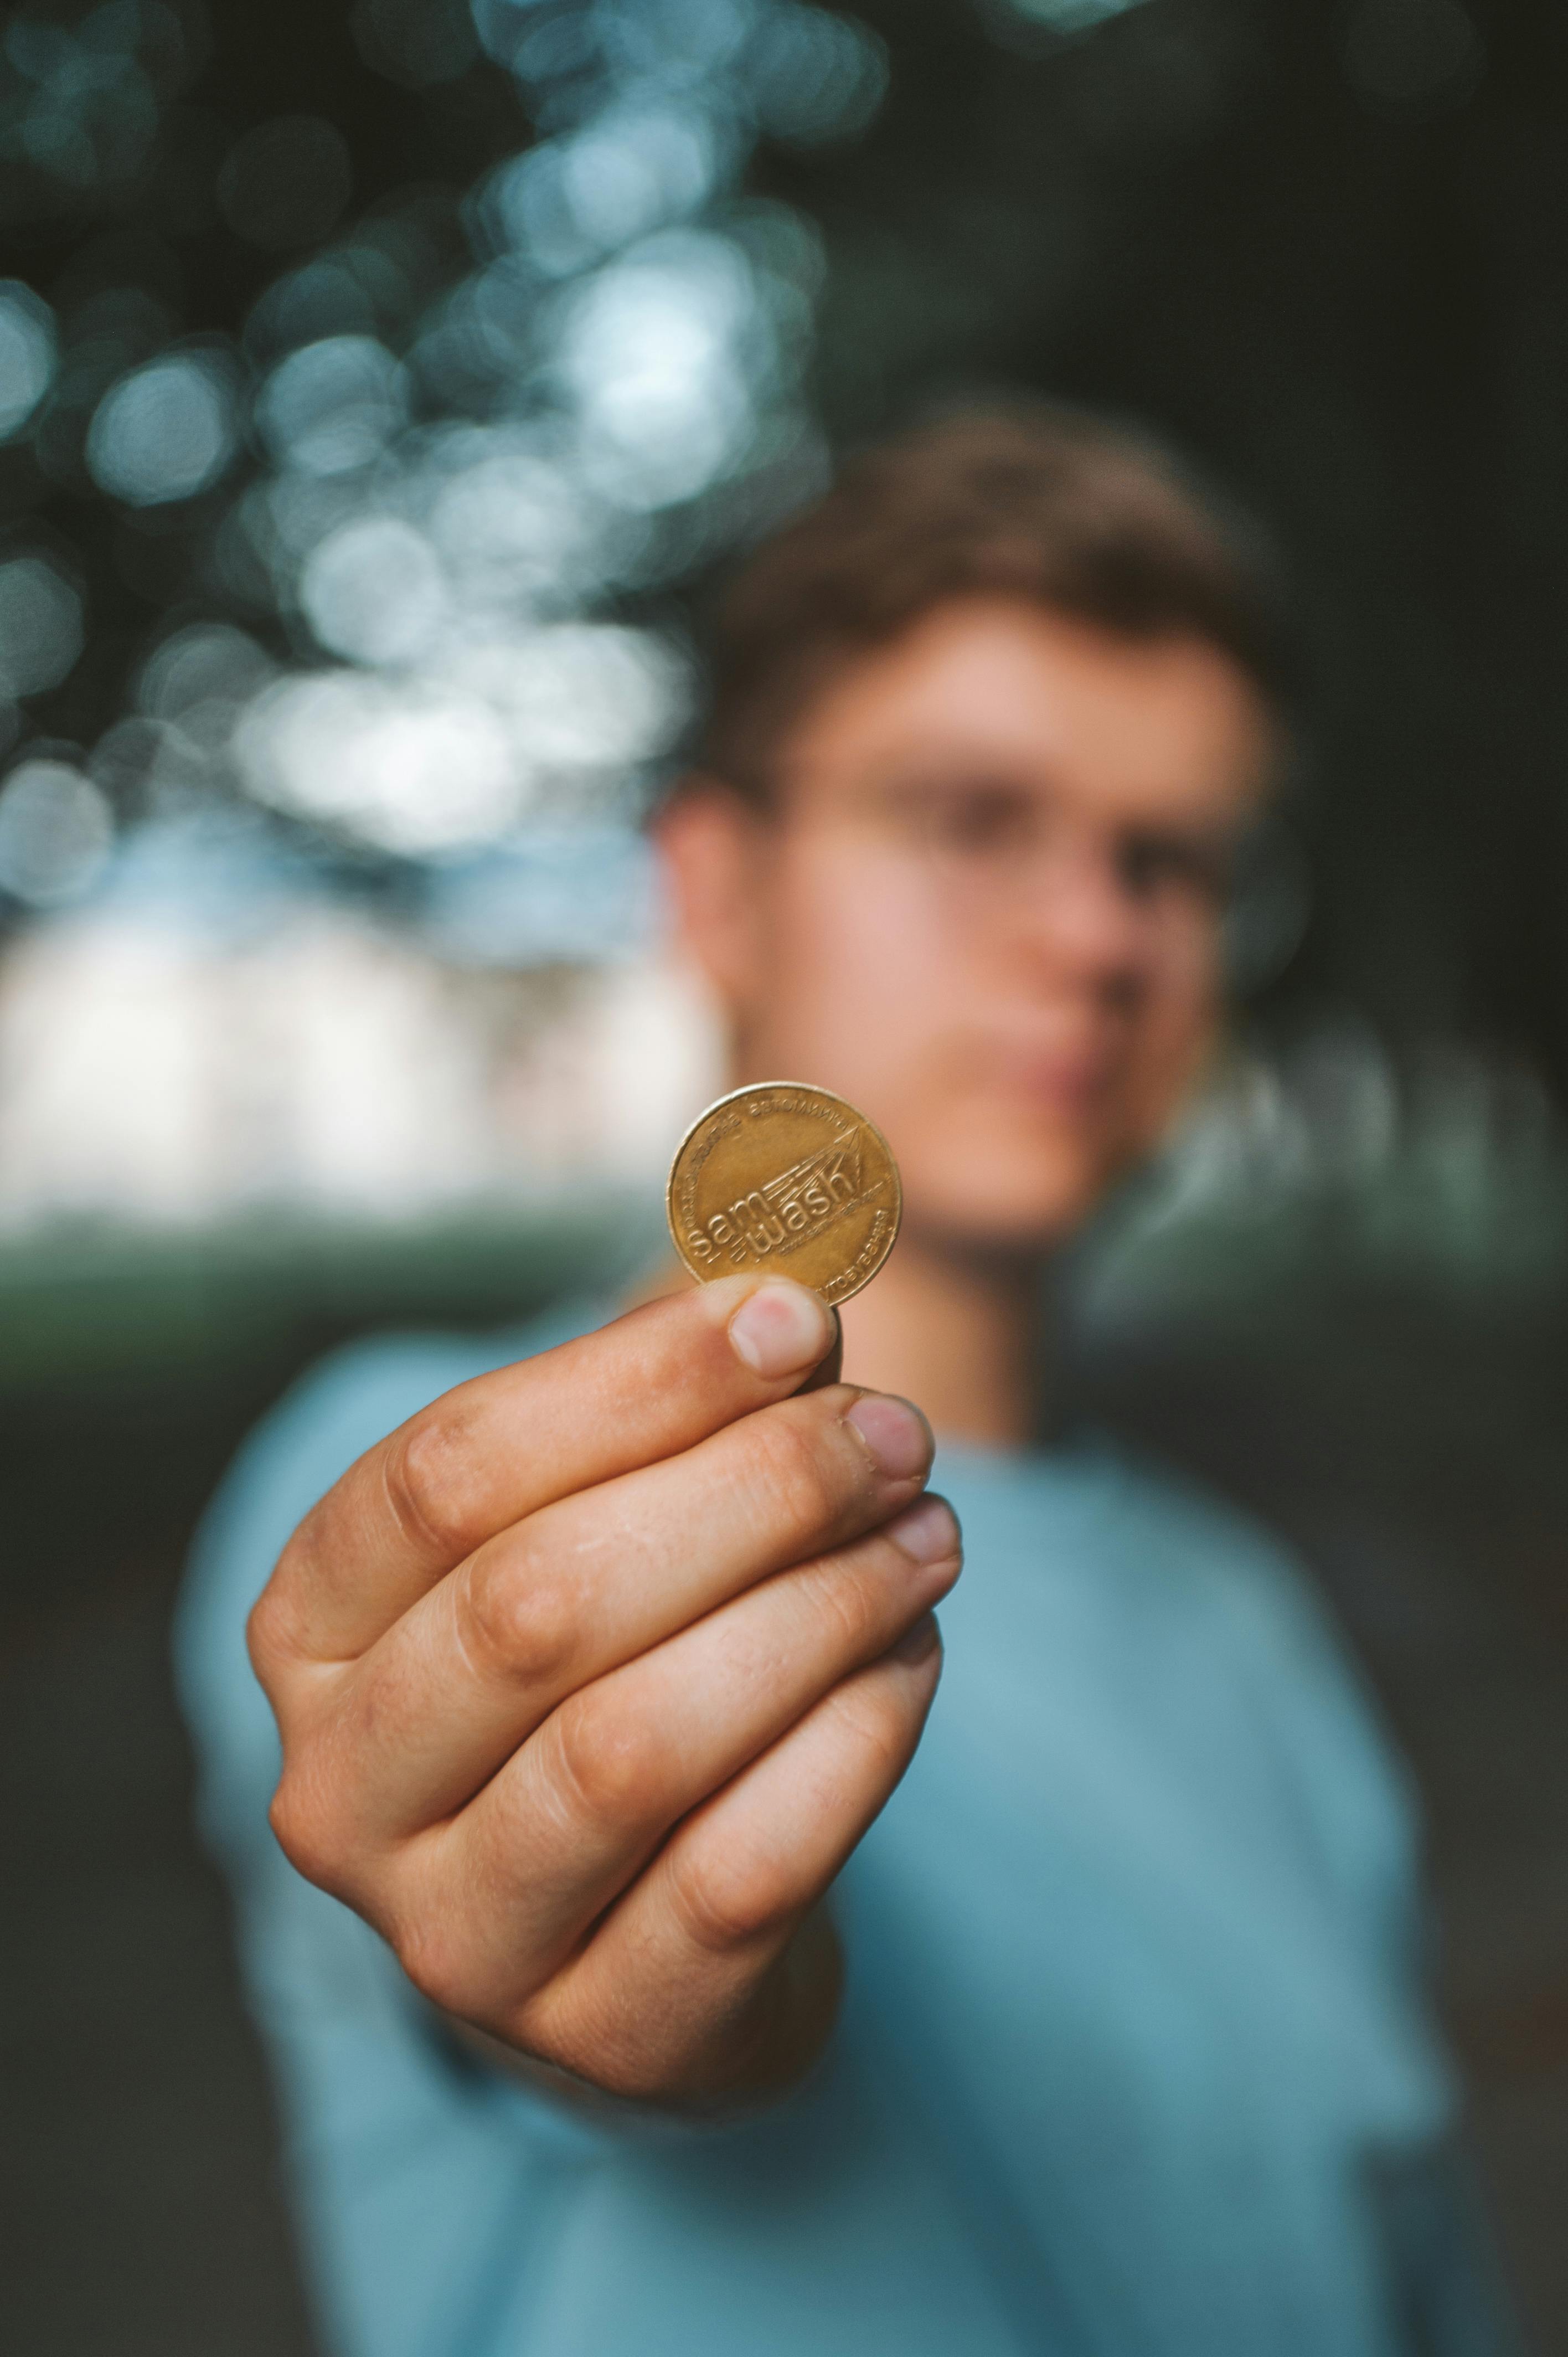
1167	728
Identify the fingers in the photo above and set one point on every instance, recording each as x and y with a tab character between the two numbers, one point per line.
699	1933
627	1587
645	1387
575	1814
572	1816
441	1701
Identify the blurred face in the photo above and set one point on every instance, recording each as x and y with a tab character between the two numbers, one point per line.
986	904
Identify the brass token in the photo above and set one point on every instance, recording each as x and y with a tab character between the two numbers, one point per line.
787	1178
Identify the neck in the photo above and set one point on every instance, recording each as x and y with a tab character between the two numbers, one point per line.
962	1335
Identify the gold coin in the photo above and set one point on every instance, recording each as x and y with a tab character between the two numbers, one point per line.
789	1179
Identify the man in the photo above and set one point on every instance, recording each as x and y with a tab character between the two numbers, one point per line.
598	1655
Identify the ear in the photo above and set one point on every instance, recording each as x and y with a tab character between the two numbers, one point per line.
711	847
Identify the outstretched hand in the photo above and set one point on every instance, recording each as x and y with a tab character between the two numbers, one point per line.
591	1676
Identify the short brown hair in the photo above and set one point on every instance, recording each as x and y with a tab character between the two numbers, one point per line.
1046	504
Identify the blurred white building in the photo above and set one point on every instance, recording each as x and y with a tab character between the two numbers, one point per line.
153	1072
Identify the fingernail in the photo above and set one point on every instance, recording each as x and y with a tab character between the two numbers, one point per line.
780	1330
927	1531
897	1434
919	1644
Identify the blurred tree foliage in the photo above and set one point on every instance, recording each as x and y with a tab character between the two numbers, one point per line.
1325	247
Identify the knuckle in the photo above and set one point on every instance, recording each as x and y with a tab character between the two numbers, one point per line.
306	1831
438	1959
728	1901
796	1469
516	1616
847	1604
276	1631
881	1727
433	1480
552	2025
266	1631
611	1763
608	2054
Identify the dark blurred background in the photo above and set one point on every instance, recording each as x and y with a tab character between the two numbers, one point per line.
379	385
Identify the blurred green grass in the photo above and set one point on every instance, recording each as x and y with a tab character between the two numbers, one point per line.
92	1312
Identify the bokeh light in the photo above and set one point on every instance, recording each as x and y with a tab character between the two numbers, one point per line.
816	76
512	530
40	625
419	43
163	431
333	407
652	355
26	354
285	183
204	663
459	754
374	590
449	497
569	200
401	766
583	703
55	832
85	95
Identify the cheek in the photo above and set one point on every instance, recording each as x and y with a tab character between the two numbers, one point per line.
1173	1042
850	988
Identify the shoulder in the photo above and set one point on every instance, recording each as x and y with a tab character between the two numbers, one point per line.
336	1410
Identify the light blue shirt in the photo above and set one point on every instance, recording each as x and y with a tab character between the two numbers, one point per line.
1134	2060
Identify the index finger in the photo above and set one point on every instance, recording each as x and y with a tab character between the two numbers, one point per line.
645	1387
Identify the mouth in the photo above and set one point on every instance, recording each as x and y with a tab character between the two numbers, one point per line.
1064	1080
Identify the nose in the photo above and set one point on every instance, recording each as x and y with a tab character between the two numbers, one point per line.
1076	918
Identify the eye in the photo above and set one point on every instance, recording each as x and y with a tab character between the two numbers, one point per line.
1152	865
978	822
